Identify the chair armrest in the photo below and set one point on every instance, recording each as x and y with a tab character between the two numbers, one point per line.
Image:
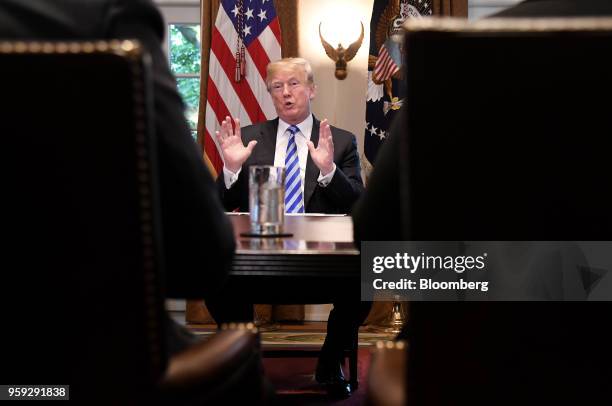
226	366
387	375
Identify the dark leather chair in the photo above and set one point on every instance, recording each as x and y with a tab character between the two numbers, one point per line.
82	284
506	137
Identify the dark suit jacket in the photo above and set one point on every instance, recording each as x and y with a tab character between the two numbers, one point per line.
376	215
338	197
198	238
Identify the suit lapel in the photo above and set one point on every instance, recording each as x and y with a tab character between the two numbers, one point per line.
312	172
266	146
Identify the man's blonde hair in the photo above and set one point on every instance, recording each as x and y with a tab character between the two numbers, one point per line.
291	63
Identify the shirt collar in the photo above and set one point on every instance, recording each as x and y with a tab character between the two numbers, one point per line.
305	126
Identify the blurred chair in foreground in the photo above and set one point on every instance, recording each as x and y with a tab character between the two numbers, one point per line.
511	145
387	374
82	289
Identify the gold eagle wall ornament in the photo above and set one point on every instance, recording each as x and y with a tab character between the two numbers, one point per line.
341	55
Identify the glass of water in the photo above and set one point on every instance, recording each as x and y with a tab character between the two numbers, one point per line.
267	199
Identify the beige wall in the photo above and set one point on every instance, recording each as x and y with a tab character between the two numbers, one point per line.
341	101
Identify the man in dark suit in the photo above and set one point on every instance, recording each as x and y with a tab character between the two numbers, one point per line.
512	352
323	175
197	236
328	162
382	195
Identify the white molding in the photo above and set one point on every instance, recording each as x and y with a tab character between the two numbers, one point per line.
177	3
492	3
181	14
482	8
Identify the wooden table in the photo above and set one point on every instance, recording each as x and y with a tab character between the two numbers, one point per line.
318	264
315	265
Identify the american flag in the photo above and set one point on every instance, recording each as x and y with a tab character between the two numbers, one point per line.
245	38
385	66
385	93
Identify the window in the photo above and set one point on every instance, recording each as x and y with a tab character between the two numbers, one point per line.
184	58
182	46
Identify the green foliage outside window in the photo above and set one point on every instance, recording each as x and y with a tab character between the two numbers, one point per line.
189	88
185	48
185	64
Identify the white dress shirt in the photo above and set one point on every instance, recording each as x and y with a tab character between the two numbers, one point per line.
282	139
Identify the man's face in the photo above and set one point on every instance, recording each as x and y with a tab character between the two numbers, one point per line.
291	94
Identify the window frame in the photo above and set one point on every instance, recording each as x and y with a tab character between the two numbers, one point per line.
176	12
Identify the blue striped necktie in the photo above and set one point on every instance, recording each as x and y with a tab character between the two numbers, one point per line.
294	202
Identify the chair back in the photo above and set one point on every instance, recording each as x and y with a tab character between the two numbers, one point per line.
507	133
507	137
80	298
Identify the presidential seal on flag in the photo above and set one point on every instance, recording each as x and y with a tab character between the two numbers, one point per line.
384	94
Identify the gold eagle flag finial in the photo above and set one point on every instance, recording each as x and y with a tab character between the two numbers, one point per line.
341	55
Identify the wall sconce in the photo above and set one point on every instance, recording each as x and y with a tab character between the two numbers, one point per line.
341	55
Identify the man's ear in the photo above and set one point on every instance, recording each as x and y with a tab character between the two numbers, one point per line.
313	91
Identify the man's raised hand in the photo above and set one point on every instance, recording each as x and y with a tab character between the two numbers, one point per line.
323	154
233	150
